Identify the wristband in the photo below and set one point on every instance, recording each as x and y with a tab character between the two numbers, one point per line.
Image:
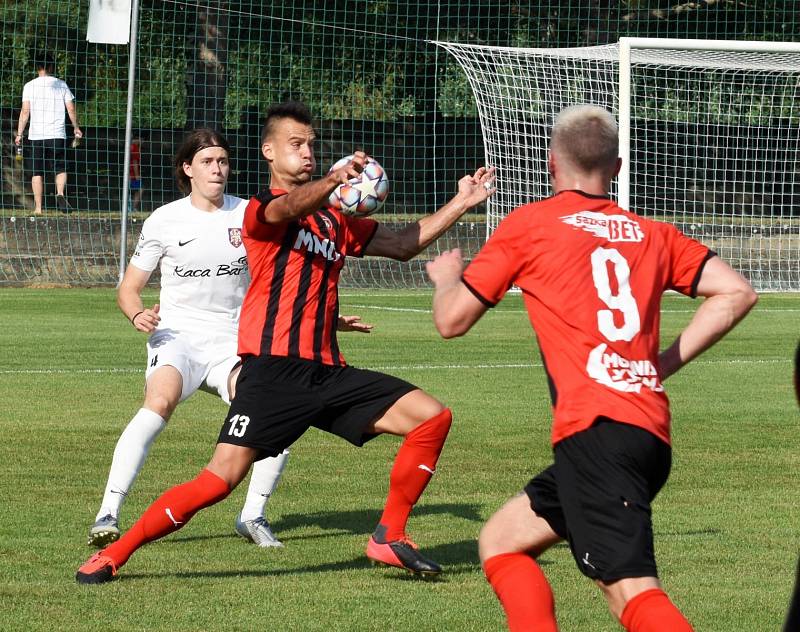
134	317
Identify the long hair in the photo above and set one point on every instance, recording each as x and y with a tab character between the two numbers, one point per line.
196	140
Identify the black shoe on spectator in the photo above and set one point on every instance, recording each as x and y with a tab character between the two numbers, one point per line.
62	204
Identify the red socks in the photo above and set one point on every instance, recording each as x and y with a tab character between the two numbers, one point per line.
170	512
522	589
413	468
652	611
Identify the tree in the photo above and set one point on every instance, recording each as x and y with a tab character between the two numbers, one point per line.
206	76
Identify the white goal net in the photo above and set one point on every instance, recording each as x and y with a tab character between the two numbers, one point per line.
710	138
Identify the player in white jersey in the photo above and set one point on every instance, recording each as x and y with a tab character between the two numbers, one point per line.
193	330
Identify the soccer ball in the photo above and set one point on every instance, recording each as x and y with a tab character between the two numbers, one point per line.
361	196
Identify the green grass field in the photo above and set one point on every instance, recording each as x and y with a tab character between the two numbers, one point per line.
726	523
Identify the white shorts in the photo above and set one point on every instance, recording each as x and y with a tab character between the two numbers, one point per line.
204	362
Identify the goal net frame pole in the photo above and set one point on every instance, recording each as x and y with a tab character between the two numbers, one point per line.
126	165
624	90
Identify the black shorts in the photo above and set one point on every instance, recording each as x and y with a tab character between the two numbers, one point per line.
47	156
279	398
597	496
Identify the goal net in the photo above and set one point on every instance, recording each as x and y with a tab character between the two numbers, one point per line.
709	138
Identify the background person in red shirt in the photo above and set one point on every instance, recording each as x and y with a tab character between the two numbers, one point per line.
592	276
135	174
293	375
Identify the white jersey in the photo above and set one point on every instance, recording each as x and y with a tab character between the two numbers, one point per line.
204	273
48	97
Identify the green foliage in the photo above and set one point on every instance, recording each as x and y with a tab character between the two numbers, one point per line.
364	61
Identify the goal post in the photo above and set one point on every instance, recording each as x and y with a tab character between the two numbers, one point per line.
708	135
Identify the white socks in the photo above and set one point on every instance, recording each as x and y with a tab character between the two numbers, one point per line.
129	455
263	481
131	451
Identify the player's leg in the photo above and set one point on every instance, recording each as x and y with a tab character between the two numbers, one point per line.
172	510
251	522
508	545
424	423
607	477
163	393
171	376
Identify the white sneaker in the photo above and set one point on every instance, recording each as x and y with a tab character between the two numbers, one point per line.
104	532
257	531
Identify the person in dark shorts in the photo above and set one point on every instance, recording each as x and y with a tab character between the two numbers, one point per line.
592	276
293	374
44	102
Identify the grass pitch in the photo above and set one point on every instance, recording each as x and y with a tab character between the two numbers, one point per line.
726	523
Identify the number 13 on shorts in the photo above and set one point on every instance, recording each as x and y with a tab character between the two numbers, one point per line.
238	425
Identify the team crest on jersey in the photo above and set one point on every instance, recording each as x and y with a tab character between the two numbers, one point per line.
609	227
328	223
235	237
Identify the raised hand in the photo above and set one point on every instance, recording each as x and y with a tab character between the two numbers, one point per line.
350	170
478	187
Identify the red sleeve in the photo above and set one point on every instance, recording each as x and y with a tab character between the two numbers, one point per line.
358	233
687	258
493	270
254	224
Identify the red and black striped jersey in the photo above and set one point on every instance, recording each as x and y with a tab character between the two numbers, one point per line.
592	276
292	305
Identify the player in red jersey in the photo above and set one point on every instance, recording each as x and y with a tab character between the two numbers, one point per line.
592	276
293	375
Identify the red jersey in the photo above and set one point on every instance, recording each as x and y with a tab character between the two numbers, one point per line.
292	305
592	276
136	161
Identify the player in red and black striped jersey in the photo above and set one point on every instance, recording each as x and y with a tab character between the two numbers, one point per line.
592	276
293	375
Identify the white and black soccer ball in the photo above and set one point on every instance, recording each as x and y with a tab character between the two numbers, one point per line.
361	196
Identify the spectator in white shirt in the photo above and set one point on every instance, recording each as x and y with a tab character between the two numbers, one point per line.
44	102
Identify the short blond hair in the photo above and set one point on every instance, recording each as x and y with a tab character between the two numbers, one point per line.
586	136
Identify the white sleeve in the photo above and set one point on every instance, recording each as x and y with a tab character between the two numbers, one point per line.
26	92
68	96
149	248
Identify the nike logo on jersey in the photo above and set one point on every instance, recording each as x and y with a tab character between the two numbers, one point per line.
183	243
171	517
610	227
422	466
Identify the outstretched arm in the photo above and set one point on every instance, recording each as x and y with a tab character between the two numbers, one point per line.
414	238
455	308
309	197
729	298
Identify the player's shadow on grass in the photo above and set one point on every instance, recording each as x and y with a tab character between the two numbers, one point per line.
363	521
456	558
358	522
